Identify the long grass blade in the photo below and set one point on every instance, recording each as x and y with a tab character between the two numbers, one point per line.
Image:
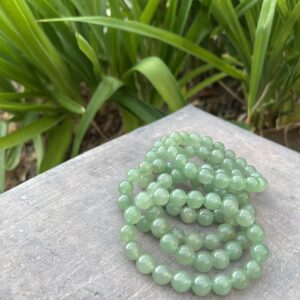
3	129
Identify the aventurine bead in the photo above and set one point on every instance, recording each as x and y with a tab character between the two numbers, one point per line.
212	201
190	170
227	164
188	215
173	210
262	184
237	183
124	202
201	285
152	187
236	172
221	181
221	284
133	250
132	214
180	161
253	269
169	243
229	206
239	279
195	240
195	139
212	241
158	165
259	252
244	218
220	259
242	240
177	176
181	282
162	274
145	264
203	153
159	226
218	145
229	153
218	216
179	234
205	217
189	151
205	176
178	197
195	199
165	180
161	196
243	197
250	208
143	200
251	184
216	156
125	187
154	212
133	175
207	141
234	250
145	168
143	225
203	262
185	255
255	233
128	233
162	152
241	162
143	181
226	232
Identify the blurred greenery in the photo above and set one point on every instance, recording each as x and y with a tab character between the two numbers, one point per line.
141	55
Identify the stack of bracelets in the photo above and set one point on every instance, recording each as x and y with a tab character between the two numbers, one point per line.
219	192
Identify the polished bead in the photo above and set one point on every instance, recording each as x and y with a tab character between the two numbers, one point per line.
185	255
145	264
203	262
250	208
178	197
190	170
177	176
216	157
165	180
180	161
221	180
169	243
208	167
249	170
241	162
242	239
201	285
124	202
173	210
259	252
145	168
205	217
179	233
195	240
195	199
158	165
152	187
125	187
212	201
170	142
237	183
143	225
227	164
143	181
221	284
262	184
162	152
229	154
155	212
239	279
243	197
159	226
234	250
255	233
189	151
253	269
162	274
251	184
203	152
133	175
188	215
226	232
143	200
181	282
132	214
207	141
229	206
218	216
212	241
244	218
195	139
205	176
128	233
238	172
220	259
161	196
133	250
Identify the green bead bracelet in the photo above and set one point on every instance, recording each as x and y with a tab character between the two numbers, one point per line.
198	180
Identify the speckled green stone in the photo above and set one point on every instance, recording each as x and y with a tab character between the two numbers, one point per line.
239	279
160	196
169	243
181	282
221	284
234	250
128	233
132	214
124	202
259	252
195	240
212	241
185	255
162	274
205	217
143	200
165	180
159	226
212	201
253	269
201	285
220	259
143	225
178	197
226	232
203	262
195	199
244	218
145	264
133	250
188	215
255	233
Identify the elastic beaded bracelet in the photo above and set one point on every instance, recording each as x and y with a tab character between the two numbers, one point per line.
220	193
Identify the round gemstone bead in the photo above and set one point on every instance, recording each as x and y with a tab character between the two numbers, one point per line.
143	224
239	279
230	206
212	201
145	264
169	243
173	210
177	176
158	165
185	255
133	175
155	212
165	180
229	153
145	168
259	252
159	226
221	284
255	233
162	274
242	240
143	200
188	215
133	250
124	202
195	199
161	196
132	214
179	234
205	176
205	217
220	259
253	269
128	233
252	184
212	241
237	183
245	218
181	282
226	232
190	170
203	262
221	180
201	285
178	197
180	161
216	156
234	250
203	153
243	197
125	187
152	187
195	240
218	216
241	162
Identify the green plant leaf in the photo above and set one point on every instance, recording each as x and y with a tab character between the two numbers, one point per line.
24	107
14	96
107	87
39	150
3	129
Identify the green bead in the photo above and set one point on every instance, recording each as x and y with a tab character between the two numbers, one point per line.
181	282
201	285
234	250
205	217
169	243
221	284
244	218
203	153
195	199
227	164
172	152
226	232
259	252
220	259
143	200
203	262
188	215
128	233
252	184
185	255
205	176
229	153
162	152
253	270
239	279
207	141
190	170
155	212
195	240
143	225
133	175
159	226
173	210
125	187
212	241
229	206
145	168
216	156
143	181
221	180
241	162
219	146
178	197
218	216
180	161
158	165
243	240
162	274
177	176
161	196
212	201
244	198
132	214
145	264
195	139
262	184
179	234
152	187
237	183
124	202
255	233
165	180
250	208
133	250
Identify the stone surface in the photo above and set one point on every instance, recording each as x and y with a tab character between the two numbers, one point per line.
59	232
